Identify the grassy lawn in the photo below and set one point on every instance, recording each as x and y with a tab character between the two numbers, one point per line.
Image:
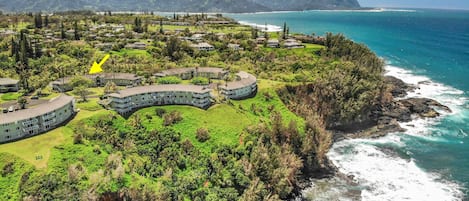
38	146
225	123
41	145
90	105
10	96
313	46
9	181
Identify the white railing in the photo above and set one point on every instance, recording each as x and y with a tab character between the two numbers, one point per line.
35	127
33	121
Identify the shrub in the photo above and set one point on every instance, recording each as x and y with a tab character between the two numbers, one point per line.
200	81
78	138
160	112
267	96
171	118
169	80
97	149
148	116
202	135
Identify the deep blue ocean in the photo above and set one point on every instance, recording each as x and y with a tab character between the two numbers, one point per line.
428	48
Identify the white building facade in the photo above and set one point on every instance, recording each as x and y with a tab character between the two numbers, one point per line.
33	121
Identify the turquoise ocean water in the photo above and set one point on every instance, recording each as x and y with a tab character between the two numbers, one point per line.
428	48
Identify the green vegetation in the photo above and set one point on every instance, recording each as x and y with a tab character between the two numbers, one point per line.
10	96
200	81
169	80
253	149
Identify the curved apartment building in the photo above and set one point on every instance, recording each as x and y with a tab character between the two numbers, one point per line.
128	100
33	121
244	86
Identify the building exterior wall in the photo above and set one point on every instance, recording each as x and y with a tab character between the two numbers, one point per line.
10	87
61	87
240	93
125	105
97	82
36	125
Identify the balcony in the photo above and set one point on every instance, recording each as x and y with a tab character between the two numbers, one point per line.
35	127
48	116
51	122
33	121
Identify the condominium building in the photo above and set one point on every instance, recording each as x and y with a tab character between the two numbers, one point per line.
189	73
128	100
244	86
99	80
33	121
7	84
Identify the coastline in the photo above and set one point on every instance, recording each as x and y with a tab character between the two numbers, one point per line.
399	122
345	186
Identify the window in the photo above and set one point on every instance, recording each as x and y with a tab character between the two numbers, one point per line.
7	130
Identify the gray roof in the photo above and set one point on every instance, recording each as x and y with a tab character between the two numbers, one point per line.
244	79
53	104
123	76
272	41
177	71
202	45
159	88
210	70
8	81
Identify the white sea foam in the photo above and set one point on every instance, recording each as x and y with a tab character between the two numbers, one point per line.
383	175
447	95
375	10
263	27
387	177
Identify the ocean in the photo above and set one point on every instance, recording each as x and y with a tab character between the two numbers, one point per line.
428	48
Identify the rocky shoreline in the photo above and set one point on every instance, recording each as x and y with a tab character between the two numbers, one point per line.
400	109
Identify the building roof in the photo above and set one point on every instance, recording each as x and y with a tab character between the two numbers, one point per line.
108	76
272	41
202	45
159	88
53	104
123	76
8	81
177	71
210	70
244	79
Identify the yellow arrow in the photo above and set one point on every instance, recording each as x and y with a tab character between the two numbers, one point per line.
96	67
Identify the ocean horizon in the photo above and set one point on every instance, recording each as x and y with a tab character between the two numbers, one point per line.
428	48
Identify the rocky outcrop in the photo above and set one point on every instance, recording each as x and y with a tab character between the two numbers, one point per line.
398	110
398	87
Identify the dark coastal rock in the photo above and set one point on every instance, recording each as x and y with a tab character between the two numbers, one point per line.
398	87
424	107
387	116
